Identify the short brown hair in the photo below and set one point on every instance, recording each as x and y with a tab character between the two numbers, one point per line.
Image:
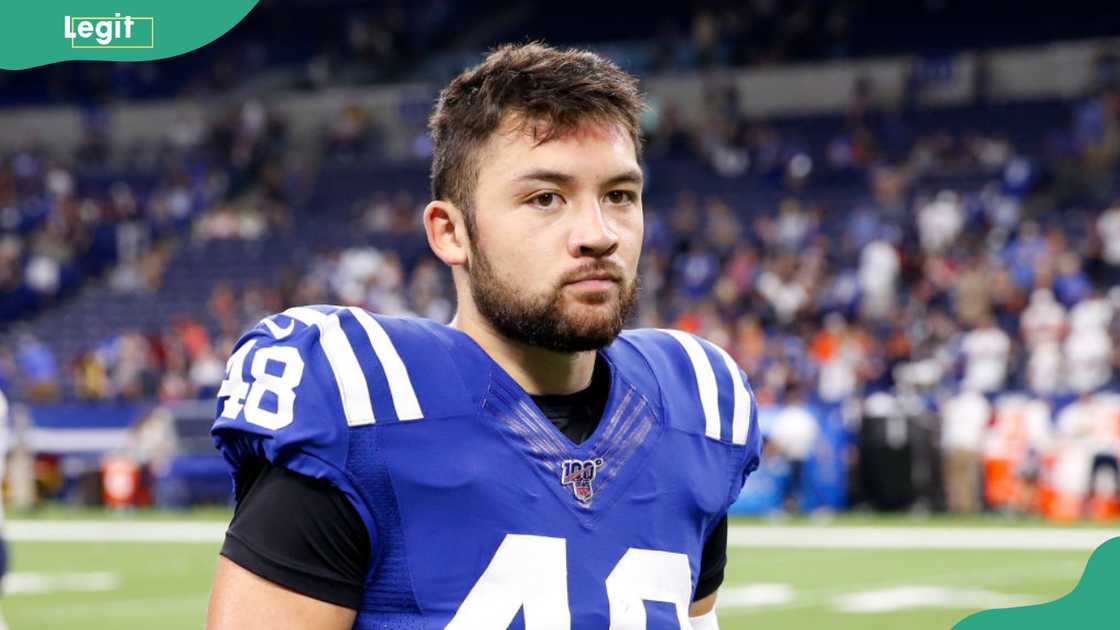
553	90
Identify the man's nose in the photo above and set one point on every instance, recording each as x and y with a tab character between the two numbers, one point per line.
592	234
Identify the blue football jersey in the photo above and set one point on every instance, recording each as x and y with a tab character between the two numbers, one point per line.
480	512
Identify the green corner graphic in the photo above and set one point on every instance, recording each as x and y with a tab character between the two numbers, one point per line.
50	31
1090	605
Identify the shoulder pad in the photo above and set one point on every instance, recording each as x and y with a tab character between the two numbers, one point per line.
699	380
385	369
281	399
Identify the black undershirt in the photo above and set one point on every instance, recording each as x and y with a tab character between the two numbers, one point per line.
323	551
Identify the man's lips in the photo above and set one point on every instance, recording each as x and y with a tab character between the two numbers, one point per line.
596	275
595	282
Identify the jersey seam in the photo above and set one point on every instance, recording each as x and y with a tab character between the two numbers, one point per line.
404	540
736	463
356	489
736	472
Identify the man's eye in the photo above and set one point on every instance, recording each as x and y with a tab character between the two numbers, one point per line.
545	200
620	196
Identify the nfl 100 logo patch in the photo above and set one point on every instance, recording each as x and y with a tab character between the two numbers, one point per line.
579	473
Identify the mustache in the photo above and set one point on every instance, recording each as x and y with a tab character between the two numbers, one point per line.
598	271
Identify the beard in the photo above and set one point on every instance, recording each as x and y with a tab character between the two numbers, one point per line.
545	321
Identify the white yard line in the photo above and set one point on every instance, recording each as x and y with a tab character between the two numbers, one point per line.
749	596
908	596
854	537
770	597
33	583
115	531
791	536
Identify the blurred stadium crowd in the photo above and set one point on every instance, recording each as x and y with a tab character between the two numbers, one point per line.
884	261
350	42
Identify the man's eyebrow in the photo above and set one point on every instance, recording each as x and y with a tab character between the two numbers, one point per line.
544	175
563	179
628	177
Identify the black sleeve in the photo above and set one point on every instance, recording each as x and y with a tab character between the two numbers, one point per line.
712	561
300	533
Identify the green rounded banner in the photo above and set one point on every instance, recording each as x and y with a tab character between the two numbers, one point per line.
50	31
1091	604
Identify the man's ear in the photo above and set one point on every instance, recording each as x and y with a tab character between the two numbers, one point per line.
446	227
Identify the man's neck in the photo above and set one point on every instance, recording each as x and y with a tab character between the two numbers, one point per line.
536	370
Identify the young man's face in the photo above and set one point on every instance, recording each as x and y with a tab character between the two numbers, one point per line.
557	235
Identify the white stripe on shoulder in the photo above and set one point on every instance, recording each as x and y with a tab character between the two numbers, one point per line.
400	385
352	385
705	380
276	331
740	416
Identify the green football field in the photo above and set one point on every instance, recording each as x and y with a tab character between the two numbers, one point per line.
789	575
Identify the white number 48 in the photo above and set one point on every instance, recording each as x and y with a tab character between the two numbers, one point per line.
531	572
248	396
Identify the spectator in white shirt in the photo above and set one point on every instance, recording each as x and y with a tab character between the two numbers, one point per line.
879	266
1044	319
1088	359
794	435
1094	312
1108	228
940	222
986	350
1043	326
964	418
1045	374
1092	424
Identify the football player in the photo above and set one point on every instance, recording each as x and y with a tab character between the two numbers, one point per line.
529	465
